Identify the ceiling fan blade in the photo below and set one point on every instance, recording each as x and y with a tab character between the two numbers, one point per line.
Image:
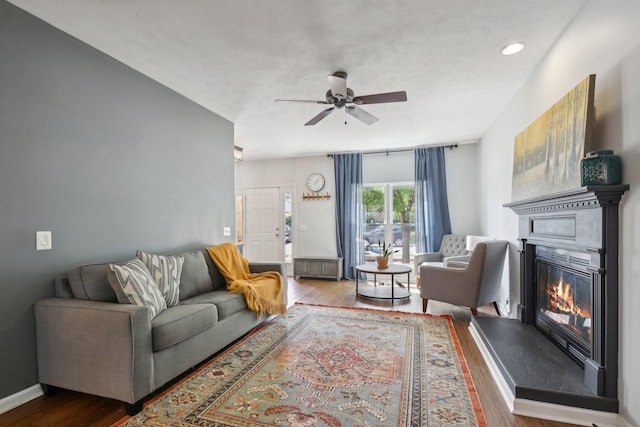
380	98
338	85
361	115
306	101
322	115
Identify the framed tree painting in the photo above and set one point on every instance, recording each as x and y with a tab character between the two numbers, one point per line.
547	154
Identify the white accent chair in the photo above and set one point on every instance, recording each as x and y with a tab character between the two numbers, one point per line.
452	247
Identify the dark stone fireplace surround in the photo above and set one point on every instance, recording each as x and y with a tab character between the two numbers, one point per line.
578	226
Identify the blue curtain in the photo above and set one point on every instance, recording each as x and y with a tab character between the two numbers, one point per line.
349	211
432	207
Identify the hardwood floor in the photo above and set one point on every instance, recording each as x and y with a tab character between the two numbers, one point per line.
67	408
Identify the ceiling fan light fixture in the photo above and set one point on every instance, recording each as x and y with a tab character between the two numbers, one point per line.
513	48
339	96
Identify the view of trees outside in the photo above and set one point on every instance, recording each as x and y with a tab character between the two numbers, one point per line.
397	221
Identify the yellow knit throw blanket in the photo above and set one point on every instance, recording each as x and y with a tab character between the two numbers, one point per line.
263	292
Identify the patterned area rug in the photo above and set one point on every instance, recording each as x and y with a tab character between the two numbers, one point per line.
325	366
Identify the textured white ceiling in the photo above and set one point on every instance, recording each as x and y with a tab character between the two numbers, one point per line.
235	57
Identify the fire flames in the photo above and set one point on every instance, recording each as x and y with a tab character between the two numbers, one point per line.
562	300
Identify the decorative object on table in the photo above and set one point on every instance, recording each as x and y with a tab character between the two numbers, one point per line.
601	167
383	262
328	366
387	251
547	154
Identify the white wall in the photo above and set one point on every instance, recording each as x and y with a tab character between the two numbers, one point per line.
604	39
314	221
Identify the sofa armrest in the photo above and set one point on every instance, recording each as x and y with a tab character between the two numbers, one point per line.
280	267
456	264
428	257
457	260
421	258
261	267
95	347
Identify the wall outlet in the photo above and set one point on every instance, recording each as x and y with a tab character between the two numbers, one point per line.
43	240
226	231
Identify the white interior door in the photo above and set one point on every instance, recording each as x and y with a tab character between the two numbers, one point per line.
264	238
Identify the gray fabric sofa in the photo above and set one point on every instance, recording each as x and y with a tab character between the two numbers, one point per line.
88	342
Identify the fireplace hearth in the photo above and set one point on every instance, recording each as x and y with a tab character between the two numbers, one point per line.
563	348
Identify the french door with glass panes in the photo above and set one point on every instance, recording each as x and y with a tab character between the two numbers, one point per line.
389	219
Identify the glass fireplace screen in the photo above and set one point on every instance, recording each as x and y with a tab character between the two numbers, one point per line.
564	297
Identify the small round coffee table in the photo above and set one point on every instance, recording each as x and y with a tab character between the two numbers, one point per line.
393	292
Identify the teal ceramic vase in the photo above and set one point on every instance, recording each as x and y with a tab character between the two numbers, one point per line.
601	167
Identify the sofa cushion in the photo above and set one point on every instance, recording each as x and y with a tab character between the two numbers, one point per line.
196	277
166	271
216	277
133	284
91	282
176	324
227	303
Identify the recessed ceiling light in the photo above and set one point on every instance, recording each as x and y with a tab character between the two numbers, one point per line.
512	48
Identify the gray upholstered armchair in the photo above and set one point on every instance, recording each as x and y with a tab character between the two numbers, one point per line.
452	245
473	285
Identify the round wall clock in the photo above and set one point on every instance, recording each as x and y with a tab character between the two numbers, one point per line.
315	182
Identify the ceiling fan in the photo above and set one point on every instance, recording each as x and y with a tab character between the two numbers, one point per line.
340	96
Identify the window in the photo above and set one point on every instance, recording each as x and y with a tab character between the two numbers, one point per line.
288	232
390	218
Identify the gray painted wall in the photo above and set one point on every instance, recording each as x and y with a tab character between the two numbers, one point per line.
106	159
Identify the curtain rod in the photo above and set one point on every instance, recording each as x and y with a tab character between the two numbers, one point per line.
397	150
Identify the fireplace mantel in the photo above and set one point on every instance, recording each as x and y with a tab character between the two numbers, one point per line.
584	219
583	197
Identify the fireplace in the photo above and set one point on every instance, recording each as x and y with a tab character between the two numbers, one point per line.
564	295
559	359
569	276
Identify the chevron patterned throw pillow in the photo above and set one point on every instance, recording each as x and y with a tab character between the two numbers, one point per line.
133	284
166	272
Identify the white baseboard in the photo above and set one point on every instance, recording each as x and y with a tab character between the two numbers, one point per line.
543	410
17	399
622	422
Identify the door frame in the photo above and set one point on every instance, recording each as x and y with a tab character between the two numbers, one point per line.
284	188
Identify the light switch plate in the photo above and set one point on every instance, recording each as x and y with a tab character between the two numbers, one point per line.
43	240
